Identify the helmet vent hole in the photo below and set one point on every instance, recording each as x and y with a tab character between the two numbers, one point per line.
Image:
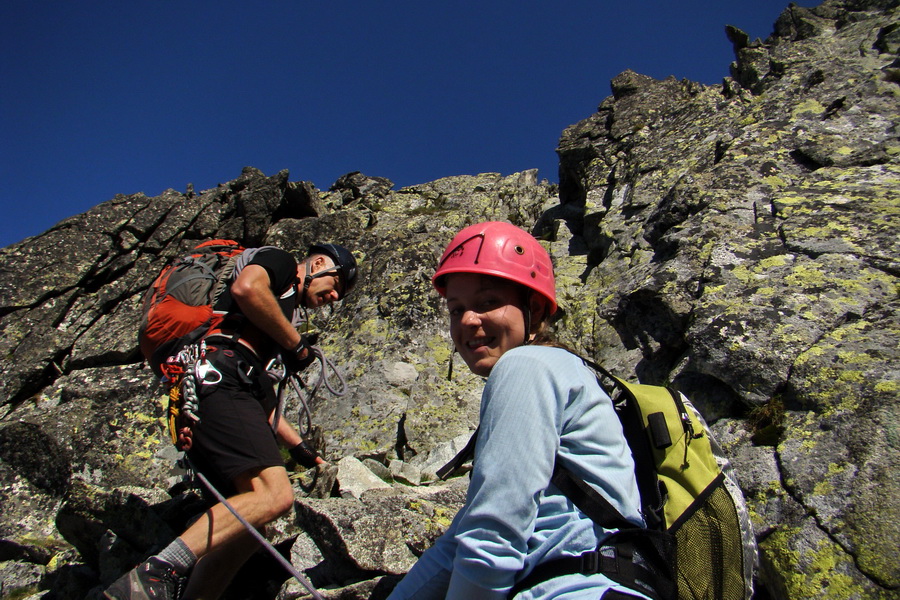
533	275
520	250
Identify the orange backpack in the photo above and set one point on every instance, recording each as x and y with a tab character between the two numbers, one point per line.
178	306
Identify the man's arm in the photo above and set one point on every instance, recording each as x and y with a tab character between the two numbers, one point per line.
252	291
286	433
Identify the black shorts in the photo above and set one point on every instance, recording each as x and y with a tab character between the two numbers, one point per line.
234	434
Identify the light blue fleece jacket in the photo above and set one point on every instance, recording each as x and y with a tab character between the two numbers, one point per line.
538	402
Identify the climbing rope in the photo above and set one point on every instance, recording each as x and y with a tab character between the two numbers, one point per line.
295	384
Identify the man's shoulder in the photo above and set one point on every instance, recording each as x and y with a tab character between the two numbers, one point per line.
268	253
280	266
273	259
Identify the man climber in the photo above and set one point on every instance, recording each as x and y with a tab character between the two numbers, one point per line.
234	444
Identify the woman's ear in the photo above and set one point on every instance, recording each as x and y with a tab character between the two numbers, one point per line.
538	307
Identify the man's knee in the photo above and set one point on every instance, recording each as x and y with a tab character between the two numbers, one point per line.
282	500
275	505
274	489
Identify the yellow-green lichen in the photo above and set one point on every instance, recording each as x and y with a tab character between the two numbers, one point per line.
775	181
810	106
779	260
815	573
887	387
440	349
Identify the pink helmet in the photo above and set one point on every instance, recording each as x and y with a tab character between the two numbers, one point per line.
502	250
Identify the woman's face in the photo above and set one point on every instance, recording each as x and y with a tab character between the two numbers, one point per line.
486	318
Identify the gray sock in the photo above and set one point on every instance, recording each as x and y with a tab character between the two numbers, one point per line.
179	556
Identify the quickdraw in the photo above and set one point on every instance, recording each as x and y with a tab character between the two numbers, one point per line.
181	374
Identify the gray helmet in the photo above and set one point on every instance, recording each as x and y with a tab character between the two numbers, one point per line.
344	264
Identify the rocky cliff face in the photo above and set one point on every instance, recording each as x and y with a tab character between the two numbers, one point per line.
739	241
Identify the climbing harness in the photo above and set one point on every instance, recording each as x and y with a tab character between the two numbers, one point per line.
189	368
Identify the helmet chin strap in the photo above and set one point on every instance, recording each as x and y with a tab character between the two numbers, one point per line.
526	310
307	279
528	338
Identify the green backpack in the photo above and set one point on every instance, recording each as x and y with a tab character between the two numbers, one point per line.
698	527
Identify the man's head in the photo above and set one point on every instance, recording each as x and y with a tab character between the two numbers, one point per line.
328	273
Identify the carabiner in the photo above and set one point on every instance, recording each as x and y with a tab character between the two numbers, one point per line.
205	369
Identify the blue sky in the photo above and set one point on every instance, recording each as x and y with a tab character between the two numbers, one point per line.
102	97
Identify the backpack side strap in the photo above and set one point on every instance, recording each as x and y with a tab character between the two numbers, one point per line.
634	558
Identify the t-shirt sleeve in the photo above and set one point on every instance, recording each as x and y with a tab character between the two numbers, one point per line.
280	265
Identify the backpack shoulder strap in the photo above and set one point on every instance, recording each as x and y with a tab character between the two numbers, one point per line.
592	503
461	457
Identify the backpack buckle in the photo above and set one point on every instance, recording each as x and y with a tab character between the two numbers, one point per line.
590	562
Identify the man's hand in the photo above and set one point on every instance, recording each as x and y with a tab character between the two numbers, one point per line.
301	356
305	455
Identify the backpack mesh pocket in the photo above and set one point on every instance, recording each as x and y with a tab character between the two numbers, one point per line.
710	549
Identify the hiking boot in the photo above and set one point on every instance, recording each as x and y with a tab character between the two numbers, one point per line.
154	579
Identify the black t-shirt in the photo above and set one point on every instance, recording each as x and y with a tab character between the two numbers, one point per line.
281	267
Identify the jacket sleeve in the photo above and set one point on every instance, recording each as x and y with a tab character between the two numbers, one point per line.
521	419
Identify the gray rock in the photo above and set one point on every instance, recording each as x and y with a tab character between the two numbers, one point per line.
405	473
429	464
355	479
